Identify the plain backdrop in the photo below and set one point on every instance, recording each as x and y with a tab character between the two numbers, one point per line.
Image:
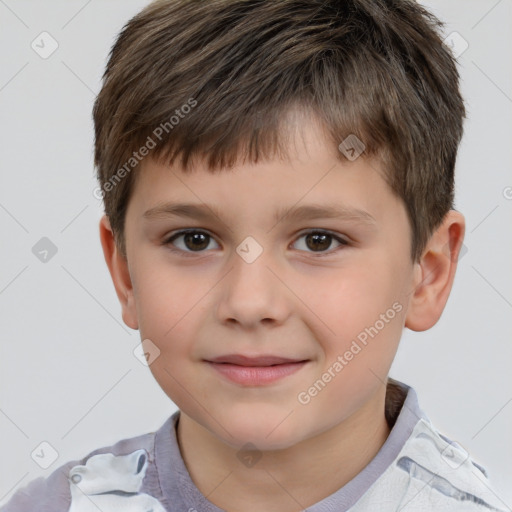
68	373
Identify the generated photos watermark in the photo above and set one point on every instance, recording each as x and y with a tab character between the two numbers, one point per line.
304	397
151	143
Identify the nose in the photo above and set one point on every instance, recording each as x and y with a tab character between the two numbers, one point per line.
254	293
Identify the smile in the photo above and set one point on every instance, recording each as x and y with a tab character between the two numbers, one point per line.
255	371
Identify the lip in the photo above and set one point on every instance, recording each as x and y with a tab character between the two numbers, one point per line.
263	360
255	371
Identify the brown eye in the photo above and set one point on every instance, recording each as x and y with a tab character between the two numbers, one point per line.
192	241
320	241
187	242
196	241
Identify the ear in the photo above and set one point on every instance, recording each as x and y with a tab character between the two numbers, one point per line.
118	267
435	272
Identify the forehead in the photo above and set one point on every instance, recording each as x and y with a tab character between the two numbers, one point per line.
312	178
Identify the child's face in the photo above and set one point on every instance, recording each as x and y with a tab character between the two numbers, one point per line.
290	302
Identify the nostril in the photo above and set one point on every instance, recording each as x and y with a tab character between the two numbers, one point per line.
140	464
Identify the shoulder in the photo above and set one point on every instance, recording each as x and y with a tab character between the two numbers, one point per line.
431	472
54	493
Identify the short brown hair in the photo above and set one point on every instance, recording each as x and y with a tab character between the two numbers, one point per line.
377	69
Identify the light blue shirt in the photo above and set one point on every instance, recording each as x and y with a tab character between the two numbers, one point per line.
416	470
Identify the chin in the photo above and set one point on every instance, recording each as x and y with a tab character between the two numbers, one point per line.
241	440
267	430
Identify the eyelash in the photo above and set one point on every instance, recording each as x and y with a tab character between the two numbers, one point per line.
168	241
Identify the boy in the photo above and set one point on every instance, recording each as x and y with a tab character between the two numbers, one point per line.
252	133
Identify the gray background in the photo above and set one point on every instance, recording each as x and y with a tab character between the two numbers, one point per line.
68	373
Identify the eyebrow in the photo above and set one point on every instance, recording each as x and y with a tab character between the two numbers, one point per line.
300	213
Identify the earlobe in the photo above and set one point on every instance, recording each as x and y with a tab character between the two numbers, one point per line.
119	271
435	273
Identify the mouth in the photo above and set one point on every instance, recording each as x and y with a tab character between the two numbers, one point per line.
255	371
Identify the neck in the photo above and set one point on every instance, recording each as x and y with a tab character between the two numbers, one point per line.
287	480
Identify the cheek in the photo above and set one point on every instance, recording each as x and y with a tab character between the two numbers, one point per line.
362	312
354	299
165	302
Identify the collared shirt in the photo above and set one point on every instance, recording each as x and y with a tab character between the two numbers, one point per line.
417	469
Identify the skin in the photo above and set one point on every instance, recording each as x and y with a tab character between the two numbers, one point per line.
288	302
